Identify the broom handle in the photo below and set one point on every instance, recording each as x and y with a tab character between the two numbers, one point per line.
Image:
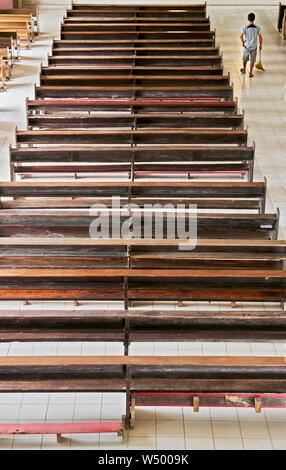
260	55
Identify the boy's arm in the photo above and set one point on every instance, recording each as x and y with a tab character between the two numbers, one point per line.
260	41
242	38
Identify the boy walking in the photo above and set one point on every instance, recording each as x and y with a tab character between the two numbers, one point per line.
248	37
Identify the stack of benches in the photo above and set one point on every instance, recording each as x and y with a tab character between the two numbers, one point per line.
17	29
139	90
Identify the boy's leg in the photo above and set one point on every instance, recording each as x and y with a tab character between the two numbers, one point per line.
252	62
251	68
243	70
244	60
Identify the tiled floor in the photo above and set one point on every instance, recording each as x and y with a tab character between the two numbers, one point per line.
263	99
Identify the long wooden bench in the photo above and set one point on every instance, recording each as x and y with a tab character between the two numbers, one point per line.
131	71
141	136
11	39
149	18
7	45
173	59
137	120
215	91
135	161
21	28
199	8
190	380
83	223
140	378
12	19
205	195
62	105
127	285
135	35
143	51
121	14
23	11
115	80
142	253
132	326
62	428
134	27
137	43
21	34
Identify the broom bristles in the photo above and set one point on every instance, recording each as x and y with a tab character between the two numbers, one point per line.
259	66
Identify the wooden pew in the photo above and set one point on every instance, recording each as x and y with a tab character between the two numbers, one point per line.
80	222
11	39
143	284
7	49
62	428
131	71
257	382
23	11
12	19
61	105
122	14
91	80
89	8
142	51
141	325
135	35
116	253
136	60
134	27
141	136
205	195
134	161
137	43
215	91
137	20
22	33
137	120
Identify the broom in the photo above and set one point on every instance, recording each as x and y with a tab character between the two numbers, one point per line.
259	65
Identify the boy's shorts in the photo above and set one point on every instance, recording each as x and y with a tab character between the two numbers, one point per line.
249	55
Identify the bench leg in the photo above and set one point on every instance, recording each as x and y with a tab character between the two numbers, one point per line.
132	413
196	404
26	302
75	303
59	438
122	433
257	404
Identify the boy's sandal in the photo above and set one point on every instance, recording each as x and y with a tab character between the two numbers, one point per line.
251	75
242	71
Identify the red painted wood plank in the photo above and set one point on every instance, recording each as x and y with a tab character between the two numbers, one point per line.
61	428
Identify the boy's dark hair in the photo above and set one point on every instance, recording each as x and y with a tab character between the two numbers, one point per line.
251	17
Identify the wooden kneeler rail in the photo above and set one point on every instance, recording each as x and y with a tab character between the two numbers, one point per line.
62	428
